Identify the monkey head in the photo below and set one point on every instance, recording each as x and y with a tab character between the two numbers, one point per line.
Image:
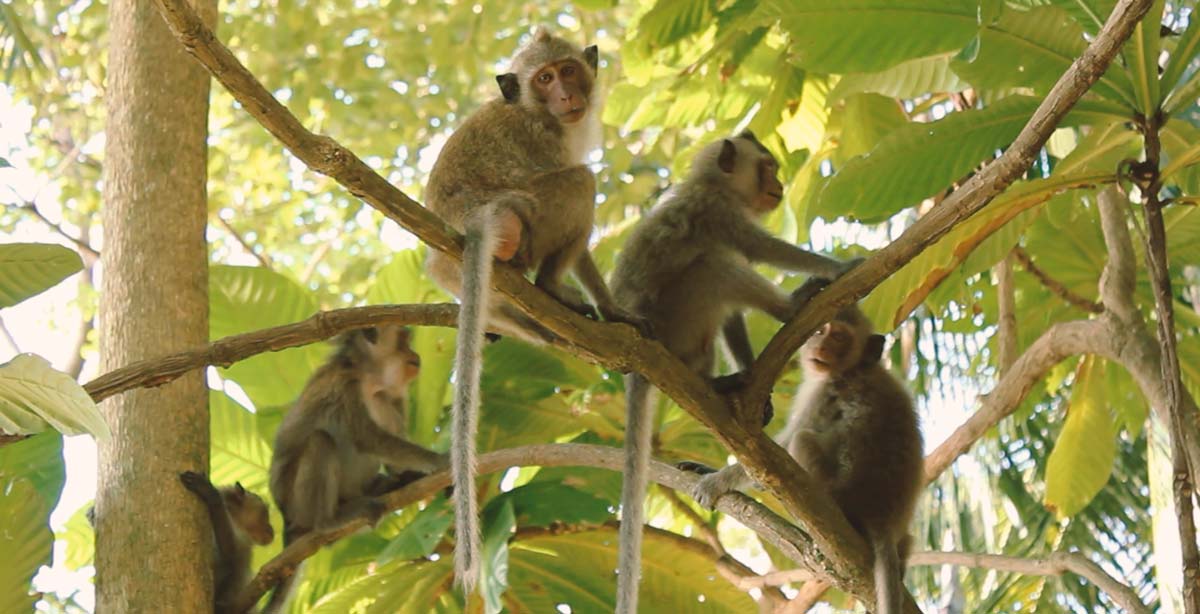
249	512
552	74
844	344
747	167
386	361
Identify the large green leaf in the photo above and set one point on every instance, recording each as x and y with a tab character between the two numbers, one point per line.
540	504
842	36
499	522
244	299
239	452
403	281
1181	68
27	269
31	478
521	400
421	534
671	20
80	540
1082	459
33	395
905	80
1032	49
1141	60
919	160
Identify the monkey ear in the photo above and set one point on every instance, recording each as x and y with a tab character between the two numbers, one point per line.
728	156
510	86
591	55
238	490
371	334
873	350
541	34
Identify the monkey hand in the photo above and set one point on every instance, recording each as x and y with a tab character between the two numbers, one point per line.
616	314
708	489
807	290
199	484
726	384
694	467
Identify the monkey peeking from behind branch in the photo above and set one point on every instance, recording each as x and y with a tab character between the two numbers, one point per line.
853	427
686	268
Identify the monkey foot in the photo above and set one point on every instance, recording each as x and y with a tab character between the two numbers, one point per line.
694	467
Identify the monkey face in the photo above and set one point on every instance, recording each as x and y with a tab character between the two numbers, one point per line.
832	349
770	190
563	87
249	512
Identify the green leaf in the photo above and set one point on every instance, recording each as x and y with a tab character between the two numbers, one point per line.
28	269
1032	49
905	80
1183	234
1141	60
499	523
920	160
786	92
239	452
844	36
672	20
421	536
244	299
865	120
34	395
804	126
520	401
1082	459
1184	60
32	474
540	504
80	540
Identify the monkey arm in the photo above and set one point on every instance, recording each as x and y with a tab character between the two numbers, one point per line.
399	453
761	246
211	497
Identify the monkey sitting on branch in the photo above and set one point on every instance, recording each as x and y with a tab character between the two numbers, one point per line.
512	179
350	420
854	429
239	520
686	269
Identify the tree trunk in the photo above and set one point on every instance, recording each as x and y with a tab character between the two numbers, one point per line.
153	540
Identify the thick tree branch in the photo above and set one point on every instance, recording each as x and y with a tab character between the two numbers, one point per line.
793	542
617	346
1055	286
975	194
234	348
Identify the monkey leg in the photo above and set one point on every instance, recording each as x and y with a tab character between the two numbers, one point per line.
552	270
714	485
313	502
592	280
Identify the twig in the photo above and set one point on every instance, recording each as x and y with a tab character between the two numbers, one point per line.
261	258
1006	332
794	543
1055	286
706	530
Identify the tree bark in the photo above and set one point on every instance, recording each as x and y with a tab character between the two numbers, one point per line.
153	538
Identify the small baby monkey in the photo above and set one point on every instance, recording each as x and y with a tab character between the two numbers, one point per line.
854	429
686	269
239	520
350	419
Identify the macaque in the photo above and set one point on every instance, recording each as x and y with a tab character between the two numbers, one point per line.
239	520
350	420
512	179
854	429
686	269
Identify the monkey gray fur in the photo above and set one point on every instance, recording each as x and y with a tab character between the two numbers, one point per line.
686	269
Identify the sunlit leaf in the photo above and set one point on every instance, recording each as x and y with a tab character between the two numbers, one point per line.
28	269
1082	459
34	395
905	80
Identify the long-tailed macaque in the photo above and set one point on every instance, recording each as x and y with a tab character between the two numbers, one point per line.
350	420
686	269
854	429
239	520
512	179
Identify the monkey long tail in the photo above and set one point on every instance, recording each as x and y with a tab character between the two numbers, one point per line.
888	580
638	419
283	590
468	367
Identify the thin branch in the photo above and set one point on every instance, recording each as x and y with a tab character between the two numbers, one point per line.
1055	286
1056	564
1160	280
794	543
1006	332
810	594
975	194
8	337
1055	345
224	352
84	246
707	531
262	259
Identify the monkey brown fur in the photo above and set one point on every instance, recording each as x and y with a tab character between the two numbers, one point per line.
512	179
239	519
686	269
853	427
350	419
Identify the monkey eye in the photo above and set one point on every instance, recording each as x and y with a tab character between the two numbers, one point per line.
545	77
567	70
